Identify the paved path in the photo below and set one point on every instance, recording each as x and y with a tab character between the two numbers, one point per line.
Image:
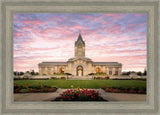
52	96
122	96
37	96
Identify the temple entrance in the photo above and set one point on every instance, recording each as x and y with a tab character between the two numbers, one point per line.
79	71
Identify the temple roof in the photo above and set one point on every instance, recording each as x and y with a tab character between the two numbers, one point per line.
80	58
106	63
79	39
52	63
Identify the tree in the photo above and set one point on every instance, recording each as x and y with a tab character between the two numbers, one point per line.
15	73
27	72
36	73
139	73
21	73
145	72
128	73
32	72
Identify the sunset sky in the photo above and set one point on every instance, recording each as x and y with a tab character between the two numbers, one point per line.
108	38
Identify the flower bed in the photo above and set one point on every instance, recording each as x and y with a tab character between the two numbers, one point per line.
26	88
80	95
125	90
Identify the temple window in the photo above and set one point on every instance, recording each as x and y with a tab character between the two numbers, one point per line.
61	70
98	70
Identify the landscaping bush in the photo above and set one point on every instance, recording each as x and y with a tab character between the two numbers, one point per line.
54	78
142	79
91	74
26	88
68	73
38	87
24	78
63	78
136	89
60	73
39	78
121	88
96	77
107	77
46	86
124	90
101	73
102	77
23	90
17	78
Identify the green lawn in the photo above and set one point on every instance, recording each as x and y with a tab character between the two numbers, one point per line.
84	83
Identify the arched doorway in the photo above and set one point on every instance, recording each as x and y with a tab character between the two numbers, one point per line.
79	71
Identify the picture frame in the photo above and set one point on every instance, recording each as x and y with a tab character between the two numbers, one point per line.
8	106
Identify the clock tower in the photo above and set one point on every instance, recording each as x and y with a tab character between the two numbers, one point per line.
79	47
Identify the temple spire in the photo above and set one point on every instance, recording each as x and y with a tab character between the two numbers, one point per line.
79	38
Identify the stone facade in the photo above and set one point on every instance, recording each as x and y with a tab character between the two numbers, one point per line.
80	65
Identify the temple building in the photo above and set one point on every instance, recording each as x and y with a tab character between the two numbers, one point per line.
80	65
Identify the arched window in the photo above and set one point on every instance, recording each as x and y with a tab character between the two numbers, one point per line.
61	70
43	71
98	70
49	71
110	71
116	71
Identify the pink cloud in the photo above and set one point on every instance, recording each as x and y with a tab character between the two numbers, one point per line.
51	40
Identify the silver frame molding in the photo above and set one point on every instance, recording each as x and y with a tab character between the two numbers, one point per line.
9	7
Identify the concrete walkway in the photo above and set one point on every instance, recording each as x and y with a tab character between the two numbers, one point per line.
122	96
37	96
52	96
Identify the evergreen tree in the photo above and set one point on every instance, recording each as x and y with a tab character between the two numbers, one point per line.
145	72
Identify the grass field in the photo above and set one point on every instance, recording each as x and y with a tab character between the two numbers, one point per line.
84	83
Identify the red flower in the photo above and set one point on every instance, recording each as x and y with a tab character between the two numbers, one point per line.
27	84
24	85
38	82
70	94
15	84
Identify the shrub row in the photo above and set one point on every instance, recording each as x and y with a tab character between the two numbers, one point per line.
32	87
58	78
125	90
28	88
31	78
101	77
142	79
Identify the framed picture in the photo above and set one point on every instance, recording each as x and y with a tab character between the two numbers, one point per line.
78	50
